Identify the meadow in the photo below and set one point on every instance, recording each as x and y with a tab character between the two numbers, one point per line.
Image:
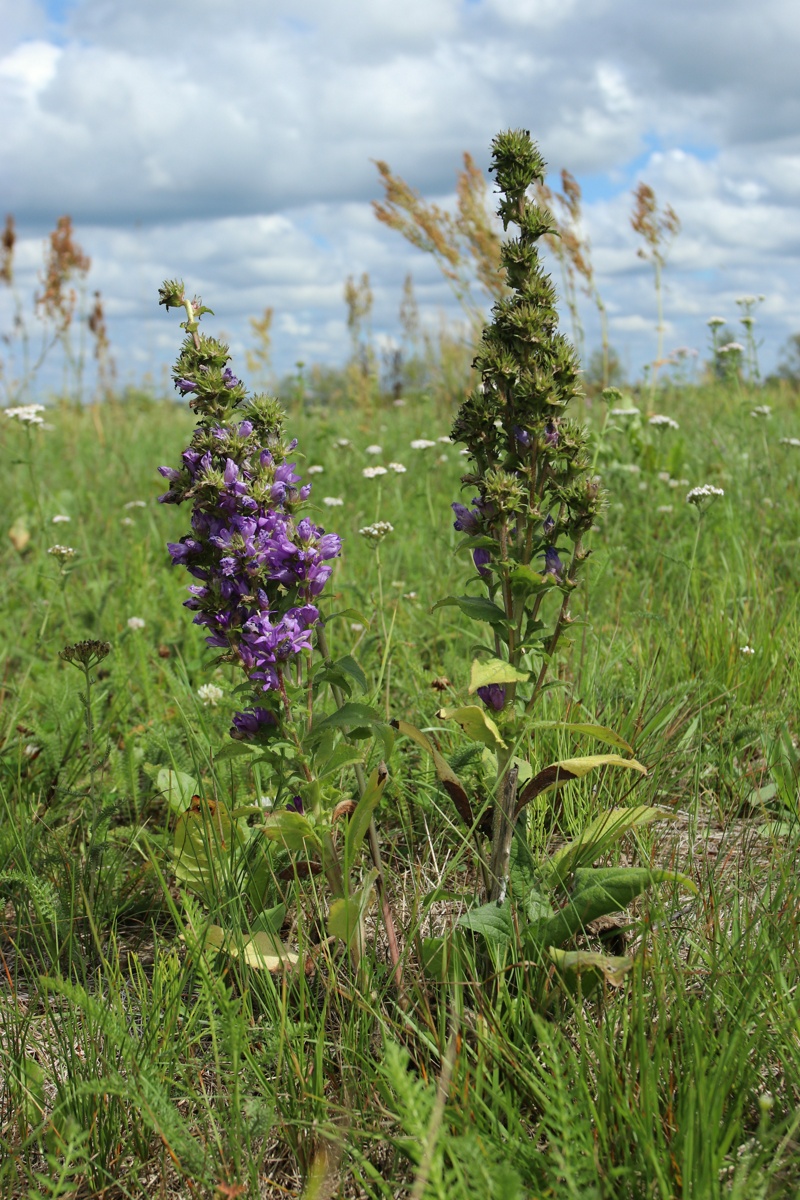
208	991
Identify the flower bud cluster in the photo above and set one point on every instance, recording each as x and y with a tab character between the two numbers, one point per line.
259	565
531	462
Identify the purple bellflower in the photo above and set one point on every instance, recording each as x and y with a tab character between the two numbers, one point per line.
493	695
552	563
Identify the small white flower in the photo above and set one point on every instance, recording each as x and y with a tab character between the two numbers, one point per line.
127	521
356	627
27	413
464	453
398	468
61	519
209	693
315	470
135	504
399	403
624	412
422	444
442	458
664	476
789	442
376	532
761	410
62	552
747	650
374	449
643	486
135	623
448	441
373	472
409	595
332	501
706	491
662	422
715	321
32	750
664	508
343	442
631	468
731	347
266	801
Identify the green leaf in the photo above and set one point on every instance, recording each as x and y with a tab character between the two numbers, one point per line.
441	959
346	915
599	835
343	756
270	920
582	970
236	749
600	732
204	845
352	614
447	776
475	723
494	670
349	665
492	921
359	822
291	829
265	952
477	608
349	716
557	774
176	788
527	582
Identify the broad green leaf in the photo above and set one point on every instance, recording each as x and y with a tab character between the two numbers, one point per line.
526	581
343	756
478	608
525	880
270	920
600	732
492	921
359	822
349	665
346	915
291	829
177	788
447	776
352	614
265	952
441	959
557	774
204	843
494	670
599	835
577	967
475	723
235	749
349	716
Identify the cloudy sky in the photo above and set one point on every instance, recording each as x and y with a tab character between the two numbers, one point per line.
230	142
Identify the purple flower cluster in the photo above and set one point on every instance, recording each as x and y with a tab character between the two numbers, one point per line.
259	570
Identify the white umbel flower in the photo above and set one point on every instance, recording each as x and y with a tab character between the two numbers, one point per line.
135	623
422	444
373	472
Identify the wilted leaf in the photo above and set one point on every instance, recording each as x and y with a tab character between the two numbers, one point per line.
600	732
573	964
447	776
557	774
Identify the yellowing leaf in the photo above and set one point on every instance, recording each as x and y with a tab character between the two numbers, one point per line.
573	962
494	670
266	952
346	915
291	829
475	723
20	535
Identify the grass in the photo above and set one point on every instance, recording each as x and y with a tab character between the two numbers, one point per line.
136	1063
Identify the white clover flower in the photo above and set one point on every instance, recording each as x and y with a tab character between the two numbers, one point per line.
706	491
374	449
422	444
135	504
664	508
332	501
343	442
747	650
662	422
135	623
624	412
447	441
761	410
789	442
209	693
61	519
376	532
398	468
315	470
373	472
32	750
127	521
27	413
64	553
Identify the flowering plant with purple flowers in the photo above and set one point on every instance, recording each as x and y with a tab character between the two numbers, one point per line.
535	500
258	568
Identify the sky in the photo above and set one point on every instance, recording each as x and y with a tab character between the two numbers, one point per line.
231	143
